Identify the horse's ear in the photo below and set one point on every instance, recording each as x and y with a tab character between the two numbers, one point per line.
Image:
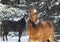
25	16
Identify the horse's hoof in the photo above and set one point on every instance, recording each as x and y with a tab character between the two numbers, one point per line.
3	40
18	40
7	40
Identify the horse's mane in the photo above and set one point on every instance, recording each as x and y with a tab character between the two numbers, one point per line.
33	24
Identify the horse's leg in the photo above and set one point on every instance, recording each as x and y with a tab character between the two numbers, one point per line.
51	39
3	36
48	40
19	36
1	31
6	36
31	40
39	40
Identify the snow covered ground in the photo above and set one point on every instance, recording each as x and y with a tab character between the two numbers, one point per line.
15	39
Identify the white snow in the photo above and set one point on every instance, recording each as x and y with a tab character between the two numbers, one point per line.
15	39
23	39
2	7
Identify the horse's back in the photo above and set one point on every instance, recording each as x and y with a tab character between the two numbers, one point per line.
14	25
45	24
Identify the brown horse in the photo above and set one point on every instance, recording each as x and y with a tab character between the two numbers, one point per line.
41	31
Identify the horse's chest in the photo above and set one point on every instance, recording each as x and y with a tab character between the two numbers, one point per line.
33	25
33	30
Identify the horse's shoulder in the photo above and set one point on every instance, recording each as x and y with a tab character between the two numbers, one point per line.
42	22
45	23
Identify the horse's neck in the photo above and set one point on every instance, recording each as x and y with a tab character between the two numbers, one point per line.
37	21
33	24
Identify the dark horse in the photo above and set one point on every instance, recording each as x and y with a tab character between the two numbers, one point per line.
8	25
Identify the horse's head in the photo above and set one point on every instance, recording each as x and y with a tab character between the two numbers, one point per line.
33	14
